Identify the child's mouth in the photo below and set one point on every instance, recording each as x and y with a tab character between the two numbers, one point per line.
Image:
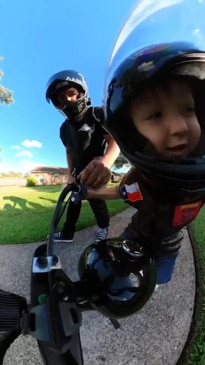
178	150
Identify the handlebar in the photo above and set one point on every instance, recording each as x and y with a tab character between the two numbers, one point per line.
54	315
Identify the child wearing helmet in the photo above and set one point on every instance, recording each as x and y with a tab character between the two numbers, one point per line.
90	150
155	112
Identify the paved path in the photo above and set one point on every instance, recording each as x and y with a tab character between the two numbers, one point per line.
154	336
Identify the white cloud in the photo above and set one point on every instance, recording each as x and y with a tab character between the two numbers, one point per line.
31	143
197	33
19	165
16	147
24	153
27	165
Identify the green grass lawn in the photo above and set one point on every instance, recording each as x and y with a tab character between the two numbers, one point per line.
26	212
195	353
25	215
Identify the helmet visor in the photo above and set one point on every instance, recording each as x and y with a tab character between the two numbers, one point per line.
158	23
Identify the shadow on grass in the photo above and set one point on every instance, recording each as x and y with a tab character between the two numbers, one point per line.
17	202
49	200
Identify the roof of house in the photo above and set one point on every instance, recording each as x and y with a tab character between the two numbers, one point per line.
49	170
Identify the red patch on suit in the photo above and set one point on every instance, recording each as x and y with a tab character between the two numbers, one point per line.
184	214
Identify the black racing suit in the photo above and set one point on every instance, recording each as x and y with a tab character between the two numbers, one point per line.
86	141
162	211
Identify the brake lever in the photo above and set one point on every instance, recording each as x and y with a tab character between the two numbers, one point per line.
78	194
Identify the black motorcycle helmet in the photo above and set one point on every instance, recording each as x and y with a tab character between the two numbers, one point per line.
63	80
159	41
118	276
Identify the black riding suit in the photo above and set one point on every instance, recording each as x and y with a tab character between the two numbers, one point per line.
162	211
86	141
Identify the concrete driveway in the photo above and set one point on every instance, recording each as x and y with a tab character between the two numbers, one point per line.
154	336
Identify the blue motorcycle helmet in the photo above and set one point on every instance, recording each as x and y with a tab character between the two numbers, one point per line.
63	80
161	40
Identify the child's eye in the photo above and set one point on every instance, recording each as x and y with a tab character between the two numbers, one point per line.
190	109
154	115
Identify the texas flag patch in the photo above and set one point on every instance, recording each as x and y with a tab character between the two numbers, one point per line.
131	192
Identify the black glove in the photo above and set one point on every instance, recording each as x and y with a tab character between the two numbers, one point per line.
79	195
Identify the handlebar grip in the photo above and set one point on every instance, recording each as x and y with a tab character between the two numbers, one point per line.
12	307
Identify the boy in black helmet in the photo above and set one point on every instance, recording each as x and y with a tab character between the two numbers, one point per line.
156	116
89	148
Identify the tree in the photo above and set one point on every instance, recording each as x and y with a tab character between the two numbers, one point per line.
120	161
6	95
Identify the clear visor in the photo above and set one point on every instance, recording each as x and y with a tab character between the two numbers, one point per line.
154	23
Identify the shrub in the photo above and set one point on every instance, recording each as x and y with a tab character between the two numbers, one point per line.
31	181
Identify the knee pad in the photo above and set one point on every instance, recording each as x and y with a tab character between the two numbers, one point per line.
171	244
166	255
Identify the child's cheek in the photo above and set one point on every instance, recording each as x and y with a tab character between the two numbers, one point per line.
157	141
195	133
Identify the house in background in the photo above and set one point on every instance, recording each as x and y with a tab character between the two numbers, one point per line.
46	175
118	173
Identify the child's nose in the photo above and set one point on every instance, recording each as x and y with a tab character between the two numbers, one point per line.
178	125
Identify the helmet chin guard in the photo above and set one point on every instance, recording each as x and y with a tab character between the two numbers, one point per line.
75	110
118	275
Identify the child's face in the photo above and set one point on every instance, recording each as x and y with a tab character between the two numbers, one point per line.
166	117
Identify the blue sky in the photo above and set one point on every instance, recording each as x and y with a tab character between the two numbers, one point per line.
39	39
